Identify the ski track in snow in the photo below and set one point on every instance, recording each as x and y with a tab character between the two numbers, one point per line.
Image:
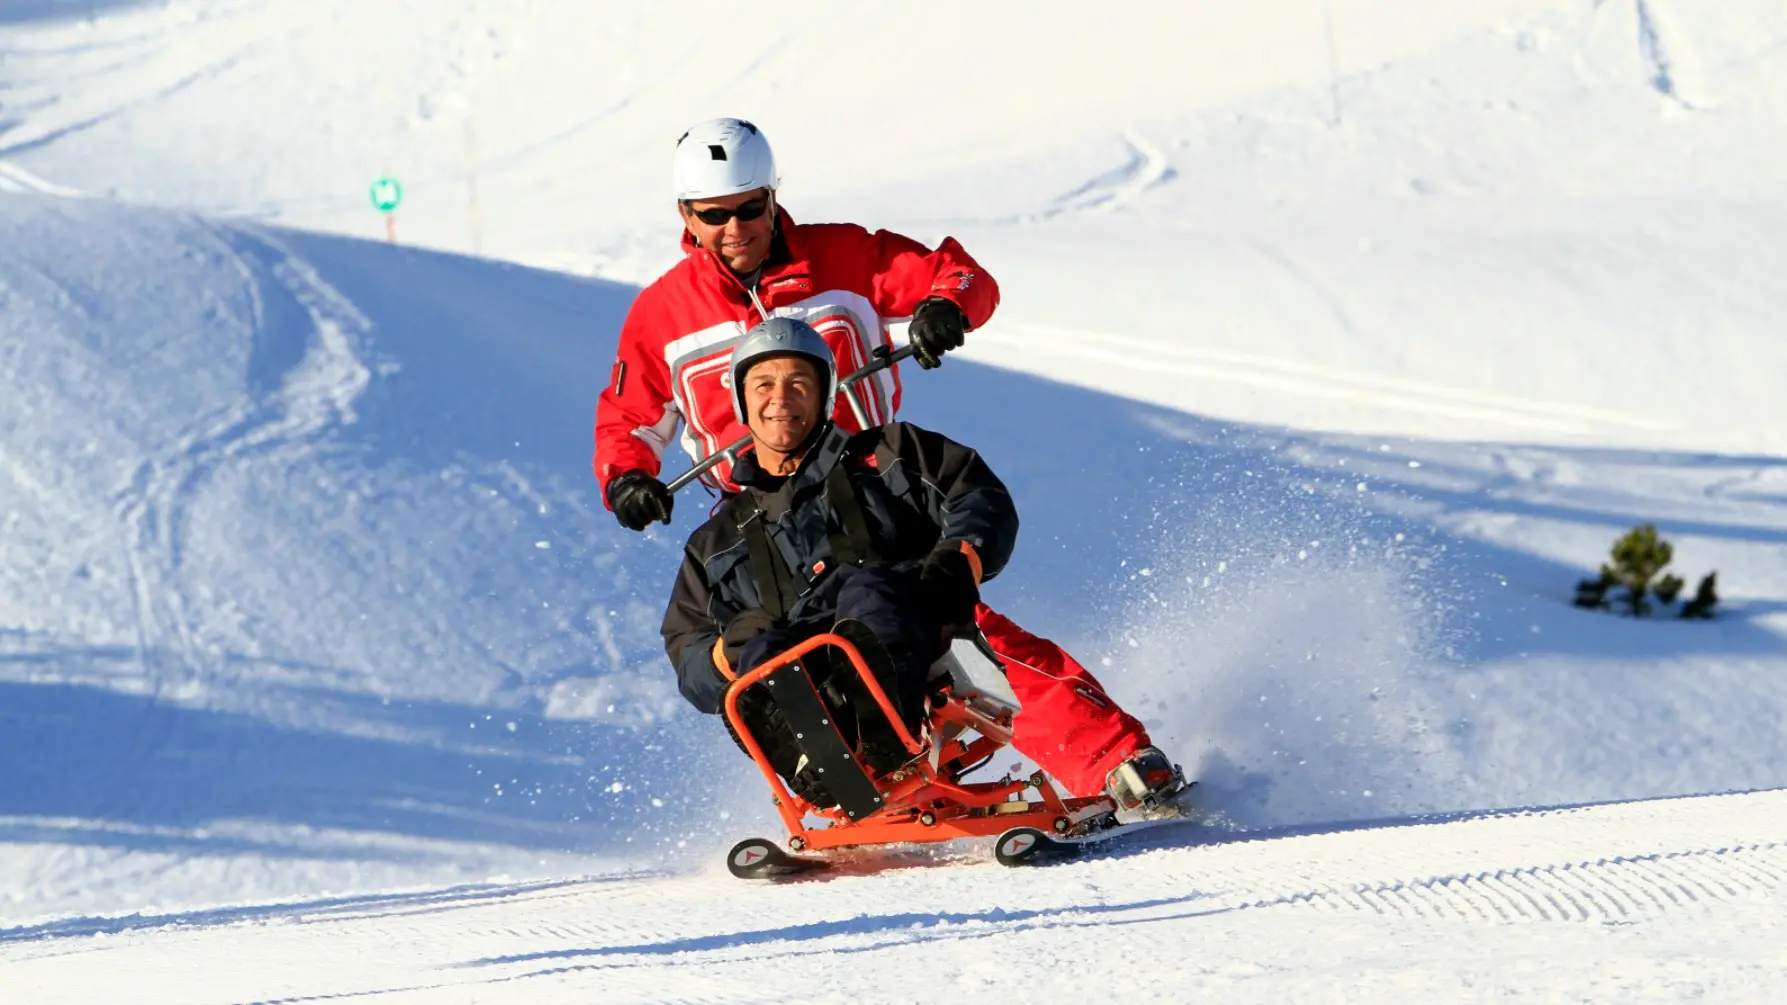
137	99
1146	168
316	394
1609	865
1606	890
16	179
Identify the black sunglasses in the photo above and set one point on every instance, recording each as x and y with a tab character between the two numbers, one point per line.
719	216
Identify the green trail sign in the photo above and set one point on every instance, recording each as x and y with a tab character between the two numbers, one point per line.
386	194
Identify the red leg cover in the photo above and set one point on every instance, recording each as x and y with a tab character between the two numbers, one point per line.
1068	725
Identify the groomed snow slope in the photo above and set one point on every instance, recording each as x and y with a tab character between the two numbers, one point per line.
1660	901
306	593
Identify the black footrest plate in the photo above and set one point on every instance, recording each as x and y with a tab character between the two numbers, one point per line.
816	730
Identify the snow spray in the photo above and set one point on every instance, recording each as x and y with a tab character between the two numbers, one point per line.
1287	650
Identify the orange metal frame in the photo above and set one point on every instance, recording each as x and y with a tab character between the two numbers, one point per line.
920	801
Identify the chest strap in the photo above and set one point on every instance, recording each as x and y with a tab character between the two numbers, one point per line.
850	543
775	587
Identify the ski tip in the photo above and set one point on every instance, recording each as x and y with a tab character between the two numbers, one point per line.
1030	846
760	858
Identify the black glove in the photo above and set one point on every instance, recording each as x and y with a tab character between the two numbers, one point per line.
938	326
946	580
745	626
638	499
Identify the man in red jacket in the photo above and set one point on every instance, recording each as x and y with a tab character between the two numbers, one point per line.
747	260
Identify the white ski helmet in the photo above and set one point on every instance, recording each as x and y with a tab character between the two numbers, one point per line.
783	337
722	157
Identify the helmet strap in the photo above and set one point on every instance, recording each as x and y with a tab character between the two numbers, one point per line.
813	438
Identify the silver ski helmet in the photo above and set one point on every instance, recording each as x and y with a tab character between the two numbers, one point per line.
721	157
783	337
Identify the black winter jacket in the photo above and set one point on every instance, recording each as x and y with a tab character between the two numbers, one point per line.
914	488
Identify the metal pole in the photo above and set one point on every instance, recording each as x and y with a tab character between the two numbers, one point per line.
855	403
884	360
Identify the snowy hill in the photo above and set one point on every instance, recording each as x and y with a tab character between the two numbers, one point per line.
276	554
1478	187
1316	400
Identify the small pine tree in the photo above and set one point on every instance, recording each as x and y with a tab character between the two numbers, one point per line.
1637	558
1704	599
1592	593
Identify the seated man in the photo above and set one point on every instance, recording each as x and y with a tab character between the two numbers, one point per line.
883	537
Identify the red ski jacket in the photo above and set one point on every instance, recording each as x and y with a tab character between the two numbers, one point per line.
679	335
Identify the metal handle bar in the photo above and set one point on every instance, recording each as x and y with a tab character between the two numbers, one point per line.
884	360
